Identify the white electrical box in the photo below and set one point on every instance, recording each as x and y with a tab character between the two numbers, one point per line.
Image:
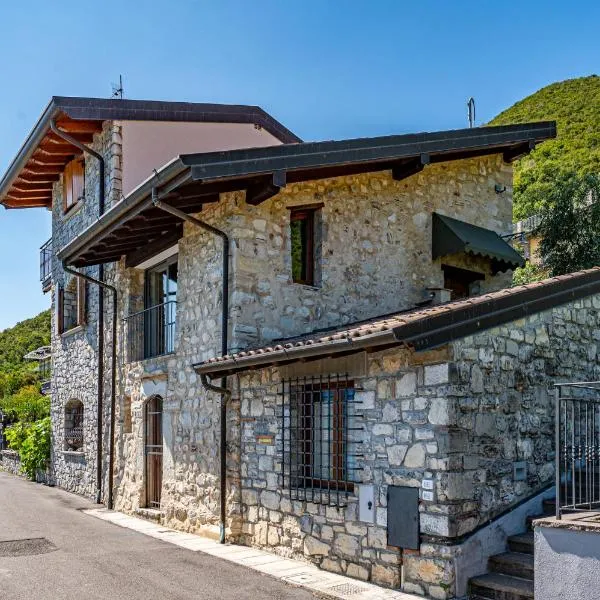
366	503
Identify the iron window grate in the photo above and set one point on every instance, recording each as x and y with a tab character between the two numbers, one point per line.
321	438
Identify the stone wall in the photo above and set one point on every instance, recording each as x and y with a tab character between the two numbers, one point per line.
10	462
385	267
75	352
474	418
375	245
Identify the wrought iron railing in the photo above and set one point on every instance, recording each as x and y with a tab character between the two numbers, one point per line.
321	439
46	262
577	442
151	332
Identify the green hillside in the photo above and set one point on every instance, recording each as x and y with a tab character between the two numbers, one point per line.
14	344
575	106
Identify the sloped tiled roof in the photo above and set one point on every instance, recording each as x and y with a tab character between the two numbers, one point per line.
421	328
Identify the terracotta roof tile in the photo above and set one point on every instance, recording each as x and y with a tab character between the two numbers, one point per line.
408	318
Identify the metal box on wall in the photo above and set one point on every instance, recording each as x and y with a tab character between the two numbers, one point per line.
403	517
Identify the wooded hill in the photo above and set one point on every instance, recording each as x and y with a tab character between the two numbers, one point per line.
15	372
575	106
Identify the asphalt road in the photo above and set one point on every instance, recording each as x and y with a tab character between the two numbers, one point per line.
84	558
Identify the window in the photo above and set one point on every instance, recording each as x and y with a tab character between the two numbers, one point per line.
304	245
320	439
461	282
74	426
74	183
151	332
71	305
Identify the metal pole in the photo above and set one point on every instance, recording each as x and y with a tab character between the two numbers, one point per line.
225	394
557	449
112	289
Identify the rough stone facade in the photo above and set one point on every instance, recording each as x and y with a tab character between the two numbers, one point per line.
474	417
375	247
376	258
75	352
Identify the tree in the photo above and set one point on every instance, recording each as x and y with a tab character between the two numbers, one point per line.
570	224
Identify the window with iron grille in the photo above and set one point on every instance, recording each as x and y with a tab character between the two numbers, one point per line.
74	426
321	439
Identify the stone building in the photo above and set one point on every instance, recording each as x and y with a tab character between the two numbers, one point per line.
314	350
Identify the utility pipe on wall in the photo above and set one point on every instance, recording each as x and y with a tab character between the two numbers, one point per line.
113	290
101	204
223	391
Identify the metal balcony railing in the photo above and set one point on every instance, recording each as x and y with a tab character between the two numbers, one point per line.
577	441
46	263
151	332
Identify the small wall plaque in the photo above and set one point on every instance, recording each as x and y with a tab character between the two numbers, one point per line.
266	440
427	484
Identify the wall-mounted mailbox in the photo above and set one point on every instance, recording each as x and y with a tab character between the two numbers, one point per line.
403	517
366	503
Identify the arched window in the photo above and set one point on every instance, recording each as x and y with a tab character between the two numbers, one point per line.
74	426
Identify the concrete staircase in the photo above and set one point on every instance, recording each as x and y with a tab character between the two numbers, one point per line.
510	575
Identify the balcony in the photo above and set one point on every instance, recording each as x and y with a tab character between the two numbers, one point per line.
151	332
46	265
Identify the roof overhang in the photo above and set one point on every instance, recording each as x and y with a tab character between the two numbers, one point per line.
29	179
134	227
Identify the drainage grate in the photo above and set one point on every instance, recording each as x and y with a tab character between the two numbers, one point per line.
348	589
26	547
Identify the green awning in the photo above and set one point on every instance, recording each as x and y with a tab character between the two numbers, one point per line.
451	236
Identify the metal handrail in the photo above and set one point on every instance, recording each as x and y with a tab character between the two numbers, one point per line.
151	332
577	444
46	260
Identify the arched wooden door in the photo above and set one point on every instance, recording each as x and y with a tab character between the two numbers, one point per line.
153	449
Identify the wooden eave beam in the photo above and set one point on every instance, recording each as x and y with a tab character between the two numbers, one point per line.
411	167
37	168
89	127
259	192
35	178
133	259
518	151
14	203
29	195
22	186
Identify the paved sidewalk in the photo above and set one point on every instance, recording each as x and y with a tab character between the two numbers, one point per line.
288	570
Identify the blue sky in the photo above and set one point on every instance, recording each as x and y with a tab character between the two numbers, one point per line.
327	69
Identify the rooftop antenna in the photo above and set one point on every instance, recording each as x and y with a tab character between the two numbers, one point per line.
117	89
471	111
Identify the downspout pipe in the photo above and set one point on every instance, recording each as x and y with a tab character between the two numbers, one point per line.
101	206
222	390
105	286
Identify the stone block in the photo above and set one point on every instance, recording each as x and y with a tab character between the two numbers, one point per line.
436	374
434	524
269	500
346	544
377	537
396	454
440	412
415	457
387	576
358	572
314	547
366	399
406	385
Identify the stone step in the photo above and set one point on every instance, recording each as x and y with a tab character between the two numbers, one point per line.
495	586
531	519
522	543
518	564
549	507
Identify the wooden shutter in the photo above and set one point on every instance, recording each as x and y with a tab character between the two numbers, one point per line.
60	318
81	301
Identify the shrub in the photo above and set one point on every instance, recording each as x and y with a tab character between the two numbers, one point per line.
32	441
26	405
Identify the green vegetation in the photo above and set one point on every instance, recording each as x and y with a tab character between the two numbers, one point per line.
23	406
574	105
570	225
